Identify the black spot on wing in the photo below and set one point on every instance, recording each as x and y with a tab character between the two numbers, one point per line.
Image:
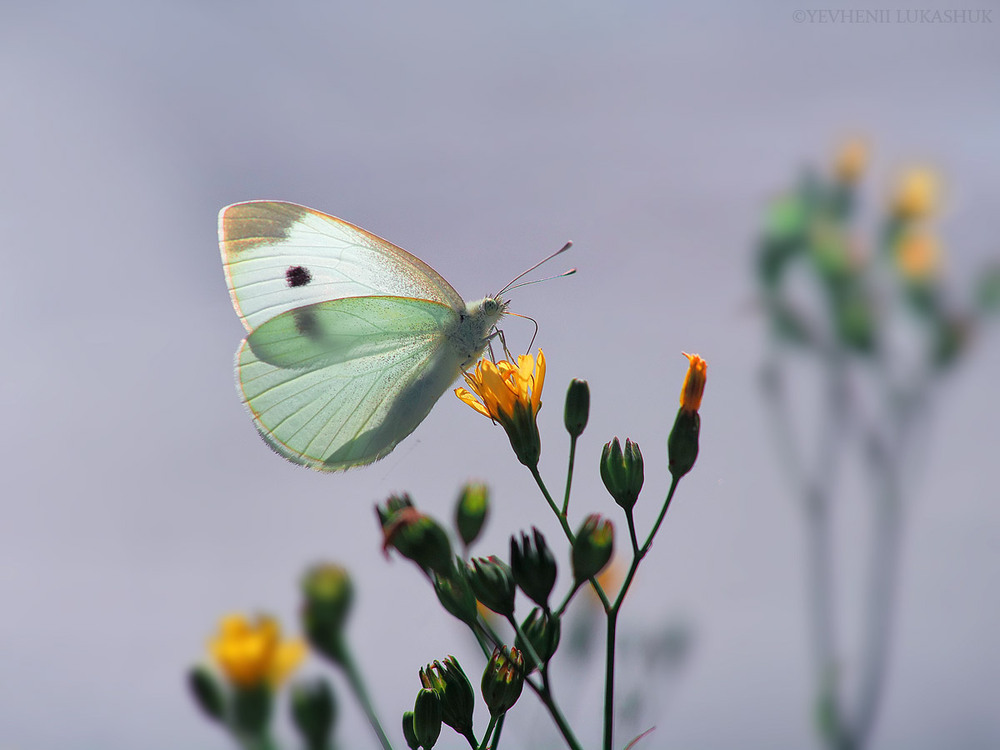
307	325
297	276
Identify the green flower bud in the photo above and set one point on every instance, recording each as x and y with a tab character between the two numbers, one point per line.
471	511
327	595
577	407
542	631
252	709
408	734
622	472
493	584
427	718
594	545
503	680
207	692
533	566
455	691
393	505
415	536
682	445
455	594
314	711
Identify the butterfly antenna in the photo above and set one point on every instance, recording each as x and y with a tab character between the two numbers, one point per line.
570	272
527	317
510	284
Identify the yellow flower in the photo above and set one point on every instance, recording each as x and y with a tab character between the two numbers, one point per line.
694	383
511	395
252	653
918	257
851	160
916	194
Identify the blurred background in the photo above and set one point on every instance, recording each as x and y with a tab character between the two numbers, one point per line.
139	505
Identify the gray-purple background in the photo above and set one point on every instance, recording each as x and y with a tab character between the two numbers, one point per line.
138	503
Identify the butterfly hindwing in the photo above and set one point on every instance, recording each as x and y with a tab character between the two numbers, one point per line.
339	383
281	256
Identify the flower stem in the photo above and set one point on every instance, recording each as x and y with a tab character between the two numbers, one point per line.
545	696
532	654
631	532
566	529
496	733
358	687
609	669
489	730
555	509
609	681
569	473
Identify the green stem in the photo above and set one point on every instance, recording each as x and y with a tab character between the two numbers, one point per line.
532	654
569	473
489	730
544	692
358	687
569	596
631	532
496	734
545	696
609	668
548	498
566	529
609	681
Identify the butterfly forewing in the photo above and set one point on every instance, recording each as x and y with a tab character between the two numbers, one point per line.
281	256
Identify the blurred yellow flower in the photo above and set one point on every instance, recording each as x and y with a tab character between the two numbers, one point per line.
916	193
251	653
694	383
511	395
851	160
918	256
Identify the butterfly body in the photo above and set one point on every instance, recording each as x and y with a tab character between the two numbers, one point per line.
351	339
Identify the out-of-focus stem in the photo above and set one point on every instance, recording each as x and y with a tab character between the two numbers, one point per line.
358	687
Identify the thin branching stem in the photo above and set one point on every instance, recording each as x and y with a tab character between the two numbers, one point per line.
612	613
569	473
358	688
569	533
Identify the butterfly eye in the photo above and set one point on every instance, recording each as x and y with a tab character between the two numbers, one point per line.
490	305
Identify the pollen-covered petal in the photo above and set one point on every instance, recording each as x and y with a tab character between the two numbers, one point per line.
497	392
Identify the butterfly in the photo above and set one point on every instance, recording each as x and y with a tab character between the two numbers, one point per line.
351	340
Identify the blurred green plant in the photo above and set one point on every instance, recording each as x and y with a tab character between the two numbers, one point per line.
882	330
476	591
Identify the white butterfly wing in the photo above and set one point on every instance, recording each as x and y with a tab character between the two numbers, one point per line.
338	384
280	256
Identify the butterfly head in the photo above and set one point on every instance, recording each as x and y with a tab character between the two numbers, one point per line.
488	311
